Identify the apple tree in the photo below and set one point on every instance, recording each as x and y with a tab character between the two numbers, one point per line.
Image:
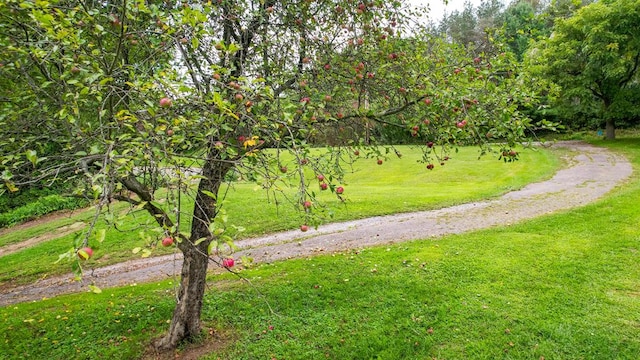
594	56
152	103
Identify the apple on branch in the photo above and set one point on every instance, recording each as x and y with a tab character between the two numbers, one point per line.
165	102
168	241
85	253
228	263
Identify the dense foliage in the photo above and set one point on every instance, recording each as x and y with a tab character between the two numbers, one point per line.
595	56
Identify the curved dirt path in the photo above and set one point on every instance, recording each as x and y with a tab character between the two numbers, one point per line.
591	173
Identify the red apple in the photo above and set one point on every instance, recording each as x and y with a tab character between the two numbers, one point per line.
323	186
169	132
430	144
379	161
327	98
327	67
339	190
476	60
307	204
461	124
165	102
427	101
430	166
304	228
168	241
283	169
85	253
356	153
320	177
228	263
239	97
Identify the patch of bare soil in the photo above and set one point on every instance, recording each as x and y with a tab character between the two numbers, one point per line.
213	342
60	232
590	174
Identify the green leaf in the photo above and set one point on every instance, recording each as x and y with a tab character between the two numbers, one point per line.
101	235
212	246
32	156
209	194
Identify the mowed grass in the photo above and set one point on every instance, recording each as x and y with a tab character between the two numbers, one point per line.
399	185
564	286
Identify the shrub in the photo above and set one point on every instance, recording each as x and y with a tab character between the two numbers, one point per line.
39	207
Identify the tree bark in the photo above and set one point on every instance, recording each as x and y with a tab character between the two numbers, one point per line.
185	322
610	125
610	129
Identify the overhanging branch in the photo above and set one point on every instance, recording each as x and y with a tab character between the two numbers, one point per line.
132	184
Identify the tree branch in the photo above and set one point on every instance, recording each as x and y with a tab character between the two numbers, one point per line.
132	184
631	72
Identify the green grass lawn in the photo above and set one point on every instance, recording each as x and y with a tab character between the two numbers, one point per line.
399	185
563	286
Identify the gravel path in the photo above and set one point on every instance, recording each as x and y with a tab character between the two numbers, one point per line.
591	173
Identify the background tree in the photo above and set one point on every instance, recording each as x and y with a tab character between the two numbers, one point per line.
594	56
522	23
153	103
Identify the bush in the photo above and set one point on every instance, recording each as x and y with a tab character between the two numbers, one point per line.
42	206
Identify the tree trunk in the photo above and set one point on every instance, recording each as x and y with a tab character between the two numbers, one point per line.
186	316
610	128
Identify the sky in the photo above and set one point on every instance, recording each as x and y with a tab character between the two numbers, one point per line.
438	8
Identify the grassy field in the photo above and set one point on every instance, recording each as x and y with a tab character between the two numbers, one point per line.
398	185
564	286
